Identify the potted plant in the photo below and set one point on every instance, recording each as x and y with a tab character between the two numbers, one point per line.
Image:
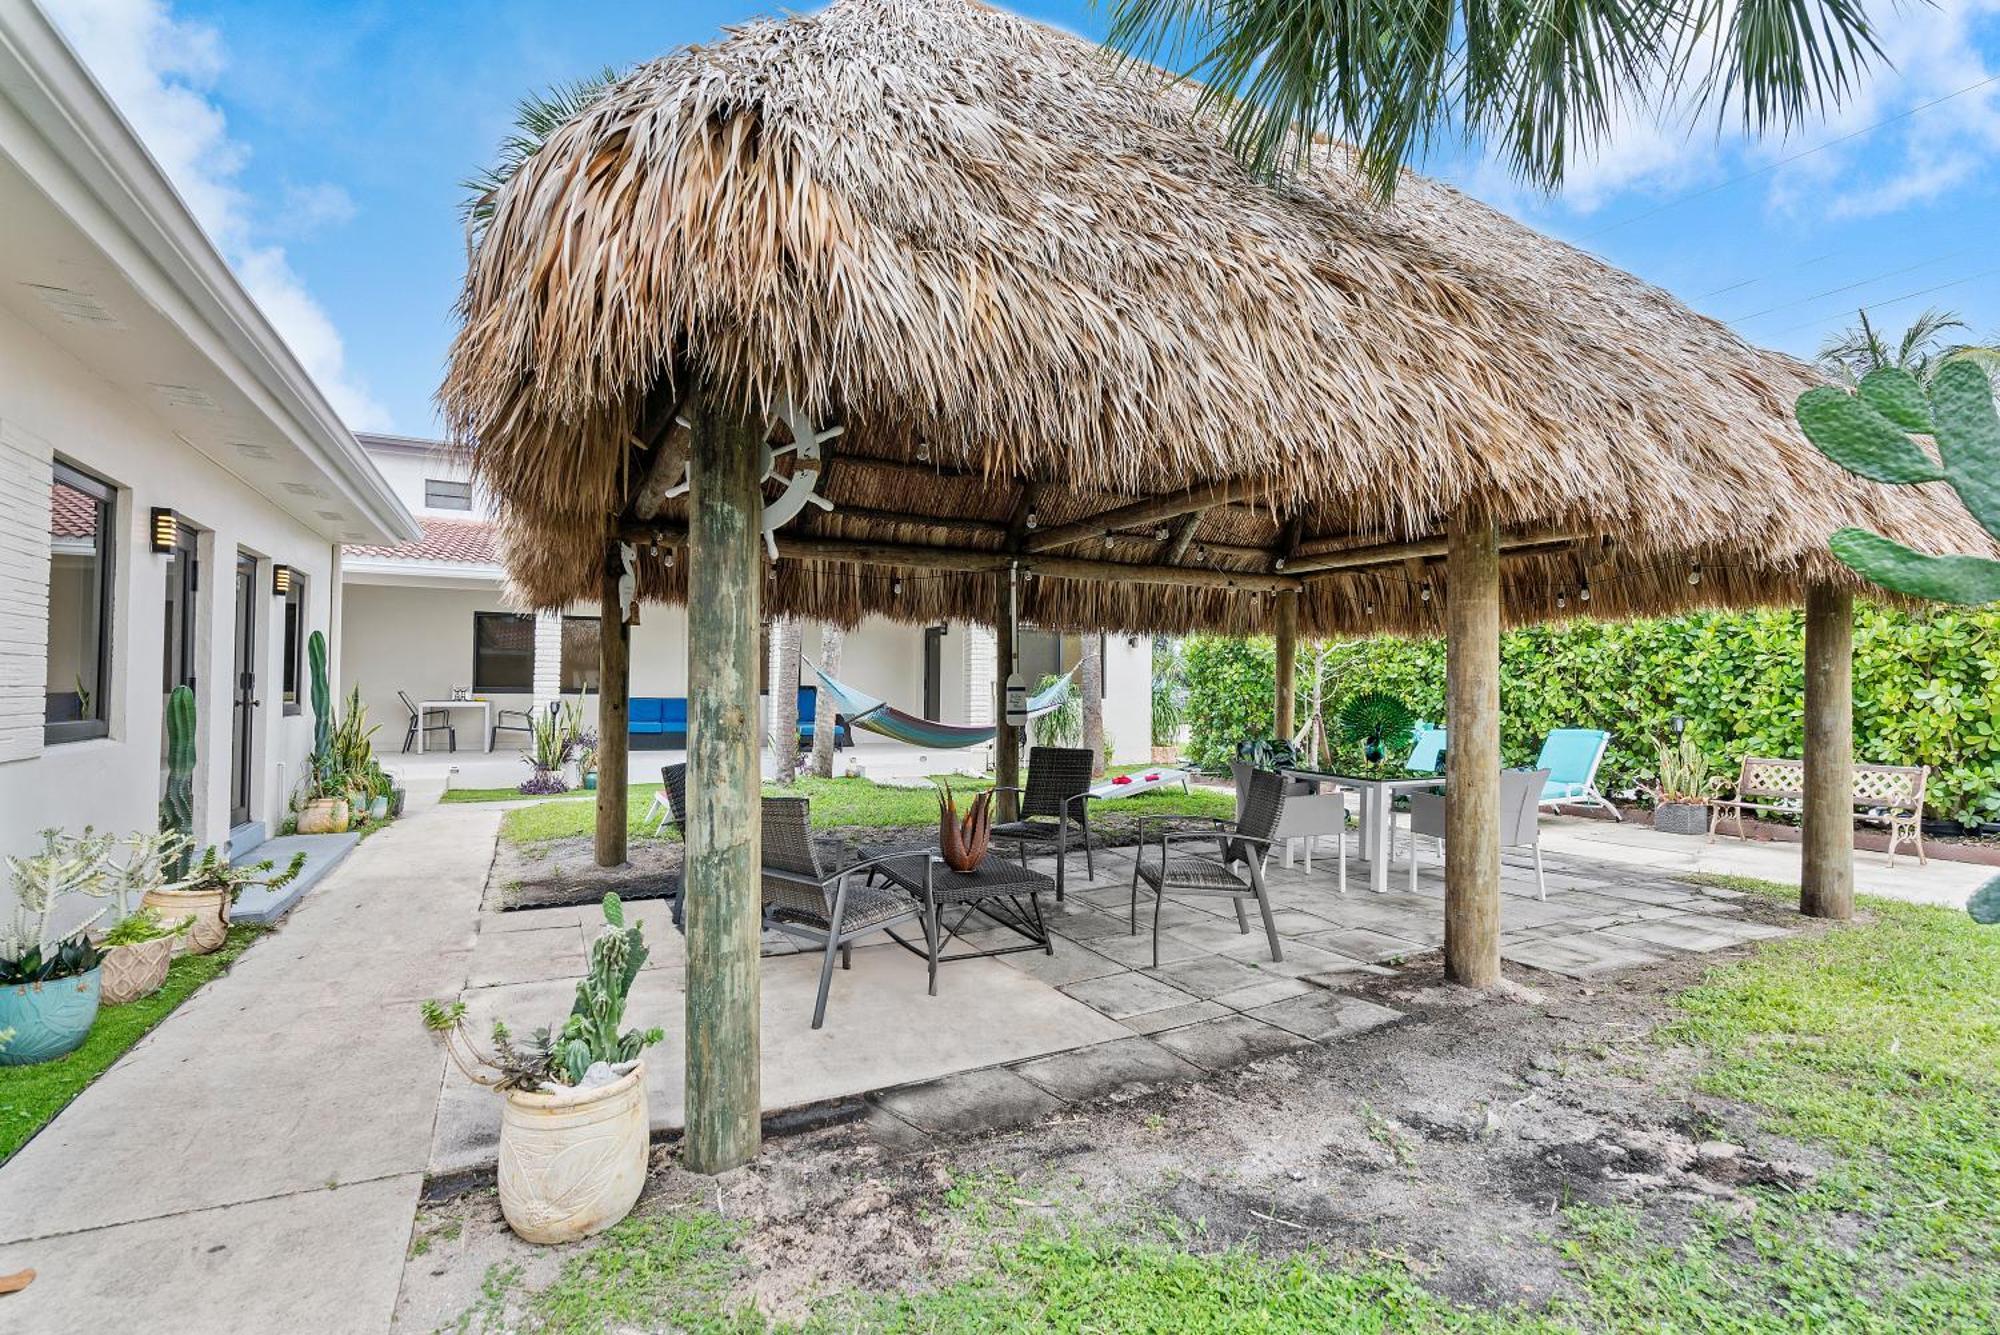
203	898
323	807
962	840
551	744
574	1128
1686	778
49	986
139	947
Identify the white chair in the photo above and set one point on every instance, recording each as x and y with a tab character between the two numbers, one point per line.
1520	792
1309	816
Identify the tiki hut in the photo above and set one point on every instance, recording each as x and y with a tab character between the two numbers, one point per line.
1078	356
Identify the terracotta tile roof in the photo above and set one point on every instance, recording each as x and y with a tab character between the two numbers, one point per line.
473	541
72	514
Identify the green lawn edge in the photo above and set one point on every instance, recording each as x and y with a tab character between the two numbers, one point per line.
31	1096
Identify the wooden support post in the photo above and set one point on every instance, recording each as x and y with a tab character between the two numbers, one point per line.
1006	740
721	883
1472	759
1826	879
1284	713
614	671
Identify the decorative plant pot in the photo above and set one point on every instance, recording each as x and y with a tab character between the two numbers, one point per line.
135	971
324	815
49	1020
397	797
208	910
1681	817
378	809
590	782
572	1161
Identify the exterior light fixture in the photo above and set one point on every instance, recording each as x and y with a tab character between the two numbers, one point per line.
281	581
166	529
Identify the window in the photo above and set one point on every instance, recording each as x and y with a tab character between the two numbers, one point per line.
503	653
444	494
183	581
579	654
81	552
295	641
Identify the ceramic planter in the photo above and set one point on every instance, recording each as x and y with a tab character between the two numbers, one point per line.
49	1020
397	797
379	808
1681	817
324	815
572	1161
135	971
209	910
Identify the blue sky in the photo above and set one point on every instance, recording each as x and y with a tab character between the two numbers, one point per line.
322	144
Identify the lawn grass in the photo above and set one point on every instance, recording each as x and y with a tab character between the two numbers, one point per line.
836	803
30	1096
1878	1044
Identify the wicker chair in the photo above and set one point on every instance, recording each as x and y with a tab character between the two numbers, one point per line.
1245	841
1056	799
826	908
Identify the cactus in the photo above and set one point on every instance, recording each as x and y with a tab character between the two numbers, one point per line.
322	700
177	807
1868	434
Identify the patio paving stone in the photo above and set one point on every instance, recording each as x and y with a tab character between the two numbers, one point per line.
1218	1045
1364	944
1137	951
1581	956
970	1102
1322	1016
1072	963
1305	960
1265	992
1105	1068
1121	994
1173	1017
1209	976
1696	932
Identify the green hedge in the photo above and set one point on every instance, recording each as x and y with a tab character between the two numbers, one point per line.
1927	691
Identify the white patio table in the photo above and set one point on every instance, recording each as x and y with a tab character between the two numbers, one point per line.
1141	781
1378	800
485	708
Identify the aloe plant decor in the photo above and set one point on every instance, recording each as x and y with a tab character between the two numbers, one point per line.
962	840
1869	434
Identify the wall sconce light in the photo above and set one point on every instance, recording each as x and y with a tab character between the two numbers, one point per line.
281	581
166	529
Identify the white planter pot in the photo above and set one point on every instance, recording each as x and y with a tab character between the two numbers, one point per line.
207	909
572	1161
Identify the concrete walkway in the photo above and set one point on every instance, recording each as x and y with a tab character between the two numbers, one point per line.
254	1164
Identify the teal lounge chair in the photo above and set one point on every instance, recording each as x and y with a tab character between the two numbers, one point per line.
1429	749
1571	756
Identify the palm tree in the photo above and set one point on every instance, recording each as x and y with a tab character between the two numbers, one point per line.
831	638
1861	348
536	117
1534	80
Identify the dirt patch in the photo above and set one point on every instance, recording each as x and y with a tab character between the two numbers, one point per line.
1451	1142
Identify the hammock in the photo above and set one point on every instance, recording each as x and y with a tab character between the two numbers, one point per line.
865	711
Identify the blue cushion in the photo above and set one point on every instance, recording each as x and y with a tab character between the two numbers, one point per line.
1570	755
1554	791
674	712
1424	755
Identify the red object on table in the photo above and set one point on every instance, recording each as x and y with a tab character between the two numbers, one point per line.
1123	778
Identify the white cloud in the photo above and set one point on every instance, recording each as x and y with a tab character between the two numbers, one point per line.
160	71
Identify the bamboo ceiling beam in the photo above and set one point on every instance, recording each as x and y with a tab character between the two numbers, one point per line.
1390	553
1140	513
663	433
1181	538
969	560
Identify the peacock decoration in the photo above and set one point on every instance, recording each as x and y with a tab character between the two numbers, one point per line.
1378	723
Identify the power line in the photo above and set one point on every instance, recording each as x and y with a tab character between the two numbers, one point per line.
1907	296
1768	168
1859	282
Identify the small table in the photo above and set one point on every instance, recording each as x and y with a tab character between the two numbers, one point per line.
936	887
1378	797
1143	781
485	708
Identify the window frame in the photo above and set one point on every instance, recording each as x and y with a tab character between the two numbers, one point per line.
431	501
562	674
482	685
64	473
292	639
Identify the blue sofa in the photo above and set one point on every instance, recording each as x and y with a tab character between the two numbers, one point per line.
658	722
809	715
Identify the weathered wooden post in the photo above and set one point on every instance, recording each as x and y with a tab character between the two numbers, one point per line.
721	880
1284	714
1472	768
1826	872
1006	740
614	673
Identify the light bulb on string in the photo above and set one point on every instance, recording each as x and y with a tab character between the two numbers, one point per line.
1562	600
1200	552
1694	573
923	452
1425	592
1033	518
1583	594
896	585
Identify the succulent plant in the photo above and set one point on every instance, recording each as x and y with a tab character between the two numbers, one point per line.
214	871
1869	434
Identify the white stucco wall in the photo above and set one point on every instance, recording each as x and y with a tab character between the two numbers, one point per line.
51	404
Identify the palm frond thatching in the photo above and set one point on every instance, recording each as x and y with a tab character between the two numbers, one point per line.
1027	276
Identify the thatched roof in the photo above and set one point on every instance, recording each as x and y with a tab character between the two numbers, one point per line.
1024	275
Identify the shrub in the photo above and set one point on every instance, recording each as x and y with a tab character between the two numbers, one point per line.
1926	687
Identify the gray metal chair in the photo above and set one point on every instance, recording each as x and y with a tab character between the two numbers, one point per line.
1244	842
511	720
428	720
673	785
830	909
1520	797
1055	800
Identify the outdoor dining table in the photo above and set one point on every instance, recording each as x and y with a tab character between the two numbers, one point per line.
1002	890
1378	800
485	708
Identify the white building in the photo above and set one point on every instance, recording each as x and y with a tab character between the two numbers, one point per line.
423	618
163	458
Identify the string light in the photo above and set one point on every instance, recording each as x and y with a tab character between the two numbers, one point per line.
1368	609
896	585
1562	600
1278	564
1583	594
923	452
670	558
1200	552
1425	592
1033	518
1694	573
1159	535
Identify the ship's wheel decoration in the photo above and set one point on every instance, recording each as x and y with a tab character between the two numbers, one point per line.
801	486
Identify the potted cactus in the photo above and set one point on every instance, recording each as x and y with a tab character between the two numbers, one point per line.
574	1129
203	897
325	809
49	985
